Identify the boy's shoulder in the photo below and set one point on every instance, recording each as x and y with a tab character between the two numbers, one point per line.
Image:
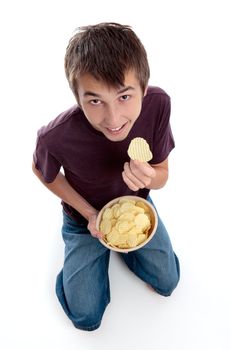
155	98
156	91
60	122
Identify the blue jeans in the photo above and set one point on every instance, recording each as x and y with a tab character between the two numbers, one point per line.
82	286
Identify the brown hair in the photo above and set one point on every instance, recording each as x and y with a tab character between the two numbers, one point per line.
106	51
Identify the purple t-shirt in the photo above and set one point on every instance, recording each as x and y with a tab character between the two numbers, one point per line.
92	164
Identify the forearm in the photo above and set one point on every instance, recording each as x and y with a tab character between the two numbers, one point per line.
61	188
159	179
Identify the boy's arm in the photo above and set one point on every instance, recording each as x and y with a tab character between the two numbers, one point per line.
138	175
61	188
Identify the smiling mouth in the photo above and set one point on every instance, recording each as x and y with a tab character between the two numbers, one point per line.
116	130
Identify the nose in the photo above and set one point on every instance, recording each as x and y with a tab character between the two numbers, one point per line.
112	116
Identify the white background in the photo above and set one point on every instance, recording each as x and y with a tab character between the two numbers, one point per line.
188	44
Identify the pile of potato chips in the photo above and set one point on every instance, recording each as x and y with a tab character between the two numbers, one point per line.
126	224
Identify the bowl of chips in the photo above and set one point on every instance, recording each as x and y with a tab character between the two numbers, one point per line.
127	223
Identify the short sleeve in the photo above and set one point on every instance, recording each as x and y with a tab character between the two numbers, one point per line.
45	161
163	137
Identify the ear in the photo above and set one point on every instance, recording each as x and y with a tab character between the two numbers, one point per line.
78	101
145	91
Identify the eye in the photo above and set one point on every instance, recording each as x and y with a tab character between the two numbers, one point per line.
124	97
95	102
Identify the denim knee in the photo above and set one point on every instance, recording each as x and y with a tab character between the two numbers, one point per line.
88	321
168	282
88	329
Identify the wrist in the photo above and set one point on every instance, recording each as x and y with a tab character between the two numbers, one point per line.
159	180
91	214
87	211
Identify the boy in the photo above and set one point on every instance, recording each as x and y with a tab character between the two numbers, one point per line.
107	69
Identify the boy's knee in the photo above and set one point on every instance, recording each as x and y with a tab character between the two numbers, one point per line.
164	287
168	283
87	317
167	287
86	325
86	321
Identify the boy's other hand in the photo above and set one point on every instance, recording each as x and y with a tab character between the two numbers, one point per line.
138	174
92	227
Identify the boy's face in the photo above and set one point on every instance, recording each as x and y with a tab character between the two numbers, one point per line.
109	110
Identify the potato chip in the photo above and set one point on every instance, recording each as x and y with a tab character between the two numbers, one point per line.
139	150
132	240
113	222
122	240
142	205
116	211
124	200
105	226
127	217
113	237
134	231
141	238
123	226
108	214
126	207
137	210
142	222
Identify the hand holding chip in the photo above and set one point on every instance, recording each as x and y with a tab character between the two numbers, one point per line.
138	173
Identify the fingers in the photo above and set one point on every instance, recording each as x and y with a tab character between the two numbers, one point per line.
96	234
129	183
137	174
133	182
92	227
142	169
